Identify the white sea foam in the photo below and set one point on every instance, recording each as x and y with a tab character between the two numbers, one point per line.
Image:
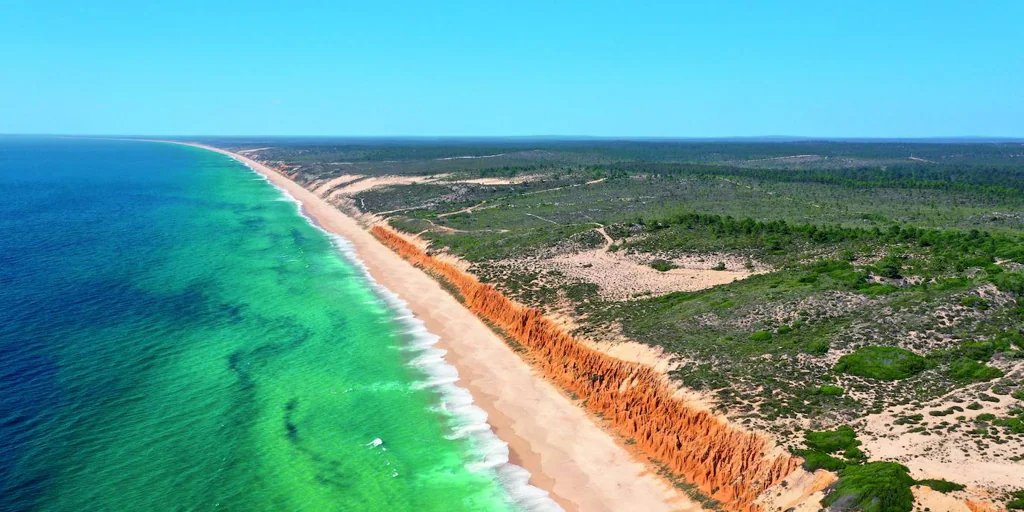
467	421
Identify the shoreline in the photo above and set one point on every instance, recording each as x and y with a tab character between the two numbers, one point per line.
581	466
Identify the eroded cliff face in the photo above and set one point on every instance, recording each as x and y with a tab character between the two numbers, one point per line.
730	465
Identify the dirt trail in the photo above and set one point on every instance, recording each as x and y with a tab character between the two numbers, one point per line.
542	218
608	241
468	209
591	182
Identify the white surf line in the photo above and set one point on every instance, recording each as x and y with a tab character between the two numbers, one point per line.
457	401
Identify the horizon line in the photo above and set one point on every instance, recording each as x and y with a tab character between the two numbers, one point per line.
564	138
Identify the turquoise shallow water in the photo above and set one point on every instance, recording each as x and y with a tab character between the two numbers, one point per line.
174	335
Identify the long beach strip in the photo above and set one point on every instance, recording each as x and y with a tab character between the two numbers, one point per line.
565	452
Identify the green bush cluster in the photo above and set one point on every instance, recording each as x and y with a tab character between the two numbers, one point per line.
969	370
872	487
822	446
974	302
1016	500
663	265
947	249
944	486
814	461
829	390
1016	425
843	275
908	420
882	363
1012	282
981	350
830	441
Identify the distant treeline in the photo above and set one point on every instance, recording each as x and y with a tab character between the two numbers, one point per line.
1001	154
967	178
948	248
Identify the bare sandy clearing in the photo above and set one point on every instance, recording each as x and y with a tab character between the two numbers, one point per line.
324	189
952	455
383	181
622	276
497	181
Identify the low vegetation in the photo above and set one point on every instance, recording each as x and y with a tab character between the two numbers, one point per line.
872	487
882	363
943	486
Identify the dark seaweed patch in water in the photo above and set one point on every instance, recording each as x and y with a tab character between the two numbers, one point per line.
289	426
243	362
329	471
233	312
252	222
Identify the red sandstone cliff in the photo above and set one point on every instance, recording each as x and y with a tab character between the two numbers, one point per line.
731	466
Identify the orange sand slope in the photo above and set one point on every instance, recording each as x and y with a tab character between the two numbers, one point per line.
730	465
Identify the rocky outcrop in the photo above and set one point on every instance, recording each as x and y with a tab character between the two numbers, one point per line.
730	465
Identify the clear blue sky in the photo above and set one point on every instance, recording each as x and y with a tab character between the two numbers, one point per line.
517	68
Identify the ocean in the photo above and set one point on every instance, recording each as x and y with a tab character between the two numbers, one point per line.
176	335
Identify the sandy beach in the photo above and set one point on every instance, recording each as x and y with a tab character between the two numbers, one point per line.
567	454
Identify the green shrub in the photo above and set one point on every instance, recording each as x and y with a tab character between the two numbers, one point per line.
1012	282
974	406
977	350
1016	425
663	265
943	486
872	487
828	390
1011	338
986	416
1016	501
818	348
1019	394
854	454
761	336
992	269
890	266
814	461
785	329
969	370
905	420
719	266
974	302
830	441
882	363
